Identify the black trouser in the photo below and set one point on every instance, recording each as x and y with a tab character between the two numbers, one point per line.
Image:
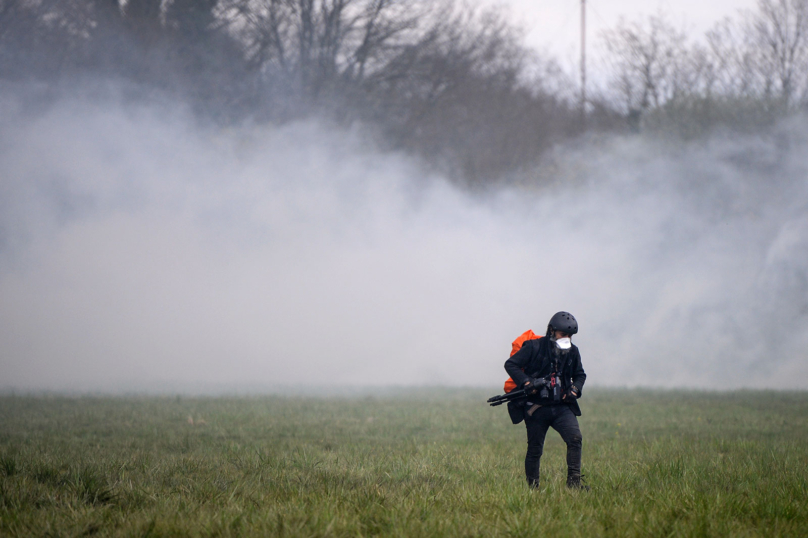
561	418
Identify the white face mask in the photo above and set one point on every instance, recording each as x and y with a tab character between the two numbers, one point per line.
564	343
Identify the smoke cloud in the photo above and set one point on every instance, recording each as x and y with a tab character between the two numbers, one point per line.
142	250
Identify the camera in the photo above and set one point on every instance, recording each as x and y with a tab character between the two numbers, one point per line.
549	388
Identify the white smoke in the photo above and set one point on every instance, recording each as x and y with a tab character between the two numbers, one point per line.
141	250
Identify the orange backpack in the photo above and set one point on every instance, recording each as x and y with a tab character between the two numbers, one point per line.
516	346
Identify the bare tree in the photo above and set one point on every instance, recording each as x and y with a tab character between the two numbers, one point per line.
749	72
321	43
779	33
470	97
649	59
732	62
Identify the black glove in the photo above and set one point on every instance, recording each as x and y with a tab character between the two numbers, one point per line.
533	385
573	393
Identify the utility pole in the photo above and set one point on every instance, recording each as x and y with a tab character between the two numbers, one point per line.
583	65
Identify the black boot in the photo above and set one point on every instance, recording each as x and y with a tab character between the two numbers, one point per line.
533	482
575	481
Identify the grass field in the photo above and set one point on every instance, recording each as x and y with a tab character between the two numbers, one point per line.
411	464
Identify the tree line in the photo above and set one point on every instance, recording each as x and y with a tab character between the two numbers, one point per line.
450	83
748	72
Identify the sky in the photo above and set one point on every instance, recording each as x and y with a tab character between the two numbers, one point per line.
554	25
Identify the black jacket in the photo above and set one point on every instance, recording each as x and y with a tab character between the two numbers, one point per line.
535	359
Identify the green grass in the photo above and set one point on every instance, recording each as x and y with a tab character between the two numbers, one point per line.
412	464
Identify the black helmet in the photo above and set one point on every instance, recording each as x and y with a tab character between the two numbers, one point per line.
564	322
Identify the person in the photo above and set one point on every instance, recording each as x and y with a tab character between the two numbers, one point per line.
550	370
